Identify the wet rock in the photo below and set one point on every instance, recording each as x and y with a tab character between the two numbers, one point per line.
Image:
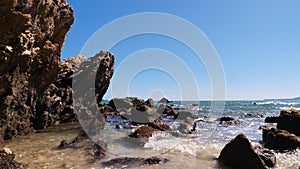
288	120
32	34
181	115
278	139
239	153
266	155
187	126
166	110
159	126
135	110
230	121
133	162
164	101
7	160
256	115
143	132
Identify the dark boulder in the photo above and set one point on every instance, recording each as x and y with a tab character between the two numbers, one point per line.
288	120
278	139
135	110
229	121
239	153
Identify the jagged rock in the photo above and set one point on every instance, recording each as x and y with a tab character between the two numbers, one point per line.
150	102
164	100
288	120
135	110
239	153
32	34
133	162
58	100
7	160
278	139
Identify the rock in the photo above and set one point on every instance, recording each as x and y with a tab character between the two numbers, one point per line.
239	153
288	120
159	126
266	155
187	126
7	160
230	121
32	34
135	110
150	102
166	110
278	139
143	132
164	101
181	115
256	115
133	162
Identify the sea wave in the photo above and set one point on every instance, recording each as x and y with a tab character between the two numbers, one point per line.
278	103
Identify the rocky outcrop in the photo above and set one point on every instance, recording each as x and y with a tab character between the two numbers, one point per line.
7	160
239	153
57	101
32	34
278	139
288	120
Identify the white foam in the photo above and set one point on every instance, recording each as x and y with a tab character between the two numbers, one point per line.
278	103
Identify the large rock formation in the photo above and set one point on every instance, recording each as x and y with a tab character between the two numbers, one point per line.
239	153
32	34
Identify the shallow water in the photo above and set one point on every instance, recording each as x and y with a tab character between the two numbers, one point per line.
184	151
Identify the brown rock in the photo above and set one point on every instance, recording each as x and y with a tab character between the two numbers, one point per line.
278	139
32	34
133	162
7	160
143	132
239	153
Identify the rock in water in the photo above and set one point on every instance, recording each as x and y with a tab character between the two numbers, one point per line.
278	139
32	34
239	153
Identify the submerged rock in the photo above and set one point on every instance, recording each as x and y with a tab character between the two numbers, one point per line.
239	153
278	139
32	34
133	162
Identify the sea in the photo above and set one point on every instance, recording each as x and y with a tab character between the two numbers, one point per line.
198	150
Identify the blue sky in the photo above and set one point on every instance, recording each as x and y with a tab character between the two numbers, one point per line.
258	43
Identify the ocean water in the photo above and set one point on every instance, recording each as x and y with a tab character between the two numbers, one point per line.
198	150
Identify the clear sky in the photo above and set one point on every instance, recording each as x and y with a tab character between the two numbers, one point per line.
258	42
